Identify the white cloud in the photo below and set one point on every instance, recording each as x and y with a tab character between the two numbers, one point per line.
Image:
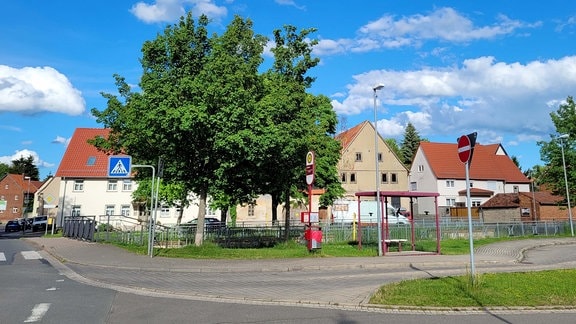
25	154
38	89
172	10
61	140
482	94
443	24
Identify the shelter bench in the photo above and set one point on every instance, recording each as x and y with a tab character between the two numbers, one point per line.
396	241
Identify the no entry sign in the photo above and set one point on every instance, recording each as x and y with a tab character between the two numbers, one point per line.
464	148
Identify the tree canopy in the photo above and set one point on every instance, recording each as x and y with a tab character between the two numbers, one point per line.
222	128
552	174
410	144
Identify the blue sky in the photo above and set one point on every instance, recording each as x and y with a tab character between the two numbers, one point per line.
450	68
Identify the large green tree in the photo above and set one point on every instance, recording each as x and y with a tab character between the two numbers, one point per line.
195	90
221	128
298	122
552	174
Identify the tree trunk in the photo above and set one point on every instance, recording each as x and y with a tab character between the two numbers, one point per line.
274	209
199	238
287	216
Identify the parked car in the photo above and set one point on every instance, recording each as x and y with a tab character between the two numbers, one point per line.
39	223
398	219
12	226
211	224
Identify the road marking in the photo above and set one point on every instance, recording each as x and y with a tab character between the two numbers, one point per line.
2	256
31	255
38	312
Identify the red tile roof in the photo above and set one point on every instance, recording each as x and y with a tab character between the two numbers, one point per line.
477	192
348	136
23	183
486	164
81	159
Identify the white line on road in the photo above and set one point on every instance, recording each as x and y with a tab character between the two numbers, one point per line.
2	256
38	312
31	255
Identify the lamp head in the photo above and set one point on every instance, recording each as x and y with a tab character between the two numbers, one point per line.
562	136
378	87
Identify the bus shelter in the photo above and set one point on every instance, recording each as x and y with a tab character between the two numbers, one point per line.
384	196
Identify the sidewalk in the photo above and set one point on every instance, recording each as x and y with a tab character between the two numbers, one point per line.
105	255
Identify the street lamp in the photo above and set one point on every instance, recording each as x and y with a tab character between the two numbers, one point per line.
562	137
378	214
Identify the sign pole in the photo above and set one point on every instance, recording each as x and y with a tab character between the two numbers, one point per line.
465	150
310	169
470	230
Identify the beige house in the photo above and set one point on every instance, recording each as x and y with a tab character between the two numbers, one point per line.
357	166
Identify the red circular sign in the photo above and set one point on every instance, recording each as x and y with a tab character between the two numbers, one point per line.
464	148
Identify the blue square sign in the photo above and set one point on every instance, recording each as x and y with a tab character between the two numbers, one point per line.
119	166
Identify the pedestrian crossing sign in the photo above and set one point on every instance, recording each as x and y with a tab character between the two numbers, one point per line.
119	166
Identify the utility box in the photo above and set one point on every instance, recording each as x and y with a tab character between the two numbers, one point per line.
313	237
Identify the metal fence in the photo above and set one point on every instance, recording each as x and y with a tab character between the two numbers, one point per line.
259	235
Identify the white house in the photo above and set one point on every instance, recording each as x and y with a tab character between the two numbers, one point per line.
84	189
436	167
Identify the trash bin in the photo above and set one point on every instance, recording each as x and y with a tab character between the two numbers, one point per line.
313	237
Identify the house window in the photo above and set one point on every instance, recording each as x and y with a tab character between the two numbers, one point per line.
420	168
384	177
393	177
343	177
75	210
126	185
251	210
449	183
450	202
78	185
516	189
358	157
165	211
6	187
112	185
414	186
476	203
16	197
109	210
14	210
379	157
125	210
352	177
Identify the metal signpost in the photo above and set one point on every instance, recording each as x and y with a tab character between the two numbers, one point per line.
465	149
310	168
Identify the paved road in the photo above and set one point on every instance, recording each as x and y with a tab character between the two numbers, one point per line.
344	283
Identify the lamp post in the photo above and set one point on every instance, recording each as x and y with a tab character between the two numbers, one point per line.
378	214
562	137
26	203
